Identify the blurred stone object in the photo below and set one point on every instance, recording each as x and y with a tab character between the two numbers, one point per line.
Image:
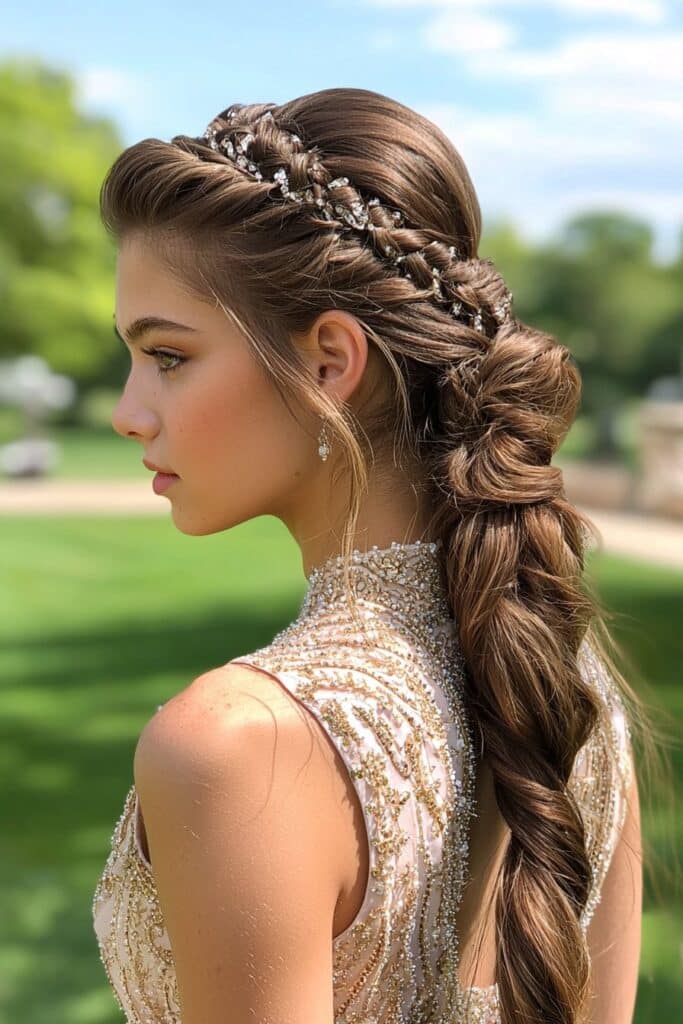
660	450
29	457
605	485
28	383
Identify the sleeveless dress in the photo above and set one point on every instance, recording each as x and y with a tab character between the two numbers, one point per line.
386	683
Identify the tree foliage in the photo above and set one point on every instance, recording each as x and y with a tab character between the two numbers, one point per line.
56	263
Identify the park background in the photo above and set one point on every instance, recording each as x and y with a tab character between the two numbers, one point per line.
568	114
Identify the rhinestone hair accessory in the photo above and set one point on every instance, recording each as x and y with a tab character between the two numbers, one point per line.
358	217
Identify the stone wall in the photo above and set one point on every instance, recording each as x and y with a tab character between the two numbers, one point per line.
660	480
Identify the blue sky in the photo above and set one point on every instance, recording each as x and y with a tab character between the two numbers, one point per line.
556	106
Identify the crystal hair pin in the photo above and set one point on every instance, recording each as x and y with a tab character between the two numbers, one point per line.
358	217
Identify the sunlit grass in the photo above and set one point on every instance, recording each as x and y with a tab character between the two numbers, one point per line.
102	620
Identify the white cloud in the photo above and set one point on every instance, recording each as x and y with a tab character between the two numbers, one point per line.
603	56
643	11
624	99
601	87
640	10
600	119
534	169
109	89
467	32
502	141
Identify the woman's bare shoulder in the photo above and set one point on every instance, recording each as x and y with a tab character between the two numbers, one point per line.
235	719
246	865
220	699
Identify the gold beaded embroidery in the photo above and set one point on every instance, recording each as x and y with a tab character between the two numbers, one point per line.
387	685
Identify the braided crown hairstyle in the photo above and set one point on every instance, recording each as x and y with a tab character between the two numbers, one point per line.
481	400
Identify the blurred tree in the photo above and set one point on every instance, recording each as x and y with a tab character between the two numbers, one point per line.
56	262
598	290
662	353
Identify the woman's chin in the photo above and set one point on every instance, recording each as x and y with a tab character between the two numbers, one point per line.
193	525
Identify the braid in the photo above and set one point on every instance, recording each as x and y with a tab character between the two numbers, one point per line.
515	560
255	141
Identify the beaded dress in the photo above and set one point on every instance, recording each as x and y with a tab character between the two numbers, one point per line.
386	683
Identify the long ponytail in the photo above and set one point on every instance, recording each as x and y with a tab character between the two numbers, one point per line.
515	559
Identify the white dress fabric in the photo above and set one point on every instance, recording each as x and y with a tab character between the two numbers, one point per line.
386	683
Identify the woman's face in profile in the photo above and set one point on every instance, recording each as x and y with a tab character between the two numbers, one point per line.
201	407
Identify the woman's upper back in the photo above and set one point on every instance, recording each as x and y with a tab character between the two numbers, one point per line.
387	689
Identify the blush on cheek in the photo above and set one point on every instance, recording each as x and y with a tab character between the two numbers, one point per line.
236	423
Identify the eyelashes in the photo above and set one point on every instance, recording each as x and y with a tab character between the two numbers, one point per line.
158	354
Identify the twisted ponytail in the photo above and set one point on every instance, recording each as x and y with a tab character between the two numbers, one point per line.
515	559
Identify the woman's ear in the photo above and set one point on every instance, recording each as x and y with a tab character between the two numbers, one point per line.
337	350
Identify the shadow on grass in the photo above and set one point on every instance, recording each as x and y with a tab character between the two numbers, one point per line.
71	760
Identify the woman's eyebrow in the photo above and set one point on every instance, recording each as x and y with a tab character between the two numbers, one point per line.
145	324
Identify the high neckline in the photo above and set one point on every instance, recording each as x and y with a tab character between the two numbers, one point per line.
374	553
406	580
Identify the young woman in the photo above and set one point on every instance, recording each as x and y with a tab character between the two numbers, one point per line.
418	802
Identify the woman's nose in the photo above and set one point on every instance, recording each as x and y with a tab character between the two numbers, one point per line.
131	419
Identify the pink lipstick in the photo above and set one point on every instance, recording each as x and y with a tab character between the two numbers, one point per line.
162	481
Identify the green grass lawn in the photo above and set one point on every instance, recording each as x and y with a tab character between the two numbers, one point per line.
102	620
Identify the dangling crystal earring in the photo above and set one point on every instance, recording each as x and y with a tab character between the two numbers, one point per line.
323	442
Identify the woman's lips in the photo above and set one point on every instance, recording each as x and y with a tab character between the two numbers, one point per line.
162	481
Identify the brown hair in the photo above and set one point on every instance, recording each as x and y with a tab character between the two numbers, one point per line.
481	411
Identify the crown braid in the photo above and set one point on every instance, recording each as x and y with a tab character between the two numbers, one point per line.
436	268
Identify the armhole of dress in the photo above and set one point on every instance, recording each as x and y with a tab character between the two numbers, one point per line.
289	681
135	826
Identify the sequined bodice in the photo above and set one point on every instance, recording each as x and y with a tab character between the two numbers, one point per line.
385	680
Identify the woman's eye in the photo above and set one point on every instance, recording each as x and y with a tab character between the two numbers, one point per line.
159	354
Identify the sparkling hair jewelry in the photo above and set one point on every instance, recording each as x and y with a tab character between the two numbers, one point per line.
358	217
